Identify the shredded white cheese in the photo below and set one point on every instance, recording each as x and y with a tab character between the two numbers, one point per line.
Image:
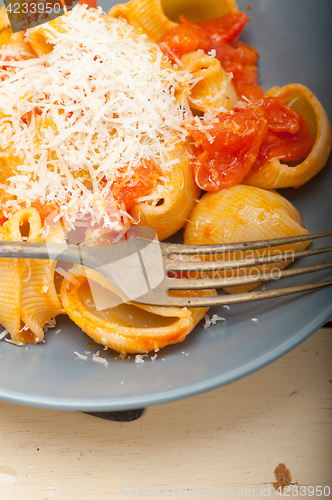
88	113
81	356
212	321
100	360
66	275
139	358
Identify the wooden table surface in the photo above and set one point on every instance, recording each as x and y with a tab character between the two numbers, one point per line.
225	443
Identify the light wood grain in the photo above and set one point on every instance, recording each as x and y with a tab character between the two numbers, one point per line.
229	438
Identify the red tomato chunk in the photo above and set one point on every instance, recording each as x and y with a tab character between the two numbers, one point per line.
228	148
128	191
219	34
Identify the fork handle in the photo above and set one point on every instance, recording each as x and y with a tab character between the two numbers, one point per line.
36	250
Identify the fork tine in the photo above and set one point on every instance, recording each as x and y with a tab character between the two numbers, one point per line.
227	299
176	265
175	248
262	277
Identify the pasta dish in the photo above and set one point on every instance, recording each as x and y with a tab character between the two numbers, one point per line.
115	120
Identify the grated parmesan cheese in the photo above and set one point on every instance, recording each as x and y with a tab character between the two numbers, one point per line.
66	275
212	321
139	358
100	360
86	114
81	356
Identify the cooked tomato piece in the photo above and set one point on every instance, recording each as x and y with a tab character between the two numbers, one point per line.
227	150
189	36
127	191
92	4
225	28
44	209
184	38
286	146
289	135
219	34
3	218
236	51
280	117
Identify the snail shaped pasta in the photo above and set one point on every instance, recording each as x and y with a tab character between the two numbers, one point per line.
144	14
176	194
244	213
28	298
274	174
125	328
214	89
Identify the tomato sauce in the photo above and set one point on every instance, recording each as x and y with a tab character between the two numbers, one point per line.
246	138
44	209
127	191
92	4
219	34
289	135
3	218
226	151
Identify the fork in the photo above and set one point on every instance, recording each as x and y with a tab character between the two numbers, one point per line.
140	268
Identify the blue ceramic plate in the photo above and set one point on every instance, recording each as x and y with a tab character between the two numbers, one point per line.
294	39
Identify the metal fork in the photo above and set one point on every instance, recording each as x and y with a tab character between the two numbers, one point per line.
140	268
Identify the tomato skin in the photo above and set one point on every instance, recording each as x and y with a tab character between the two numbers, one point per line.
225	28
43	209
92	4
236	52
184	38
280	117
289	135
189	36
225	159
3	218
127	191
286	146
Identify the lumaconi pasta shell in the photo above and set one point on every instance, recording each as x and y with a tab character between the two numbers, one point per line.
149	15
144	14
274	174
131	333
213	90
5	35
244	213
196	10
176	200
10	291
28	299
4	21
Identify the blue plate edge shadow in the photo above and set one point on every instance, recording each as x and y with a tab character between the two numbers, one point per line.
168	396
